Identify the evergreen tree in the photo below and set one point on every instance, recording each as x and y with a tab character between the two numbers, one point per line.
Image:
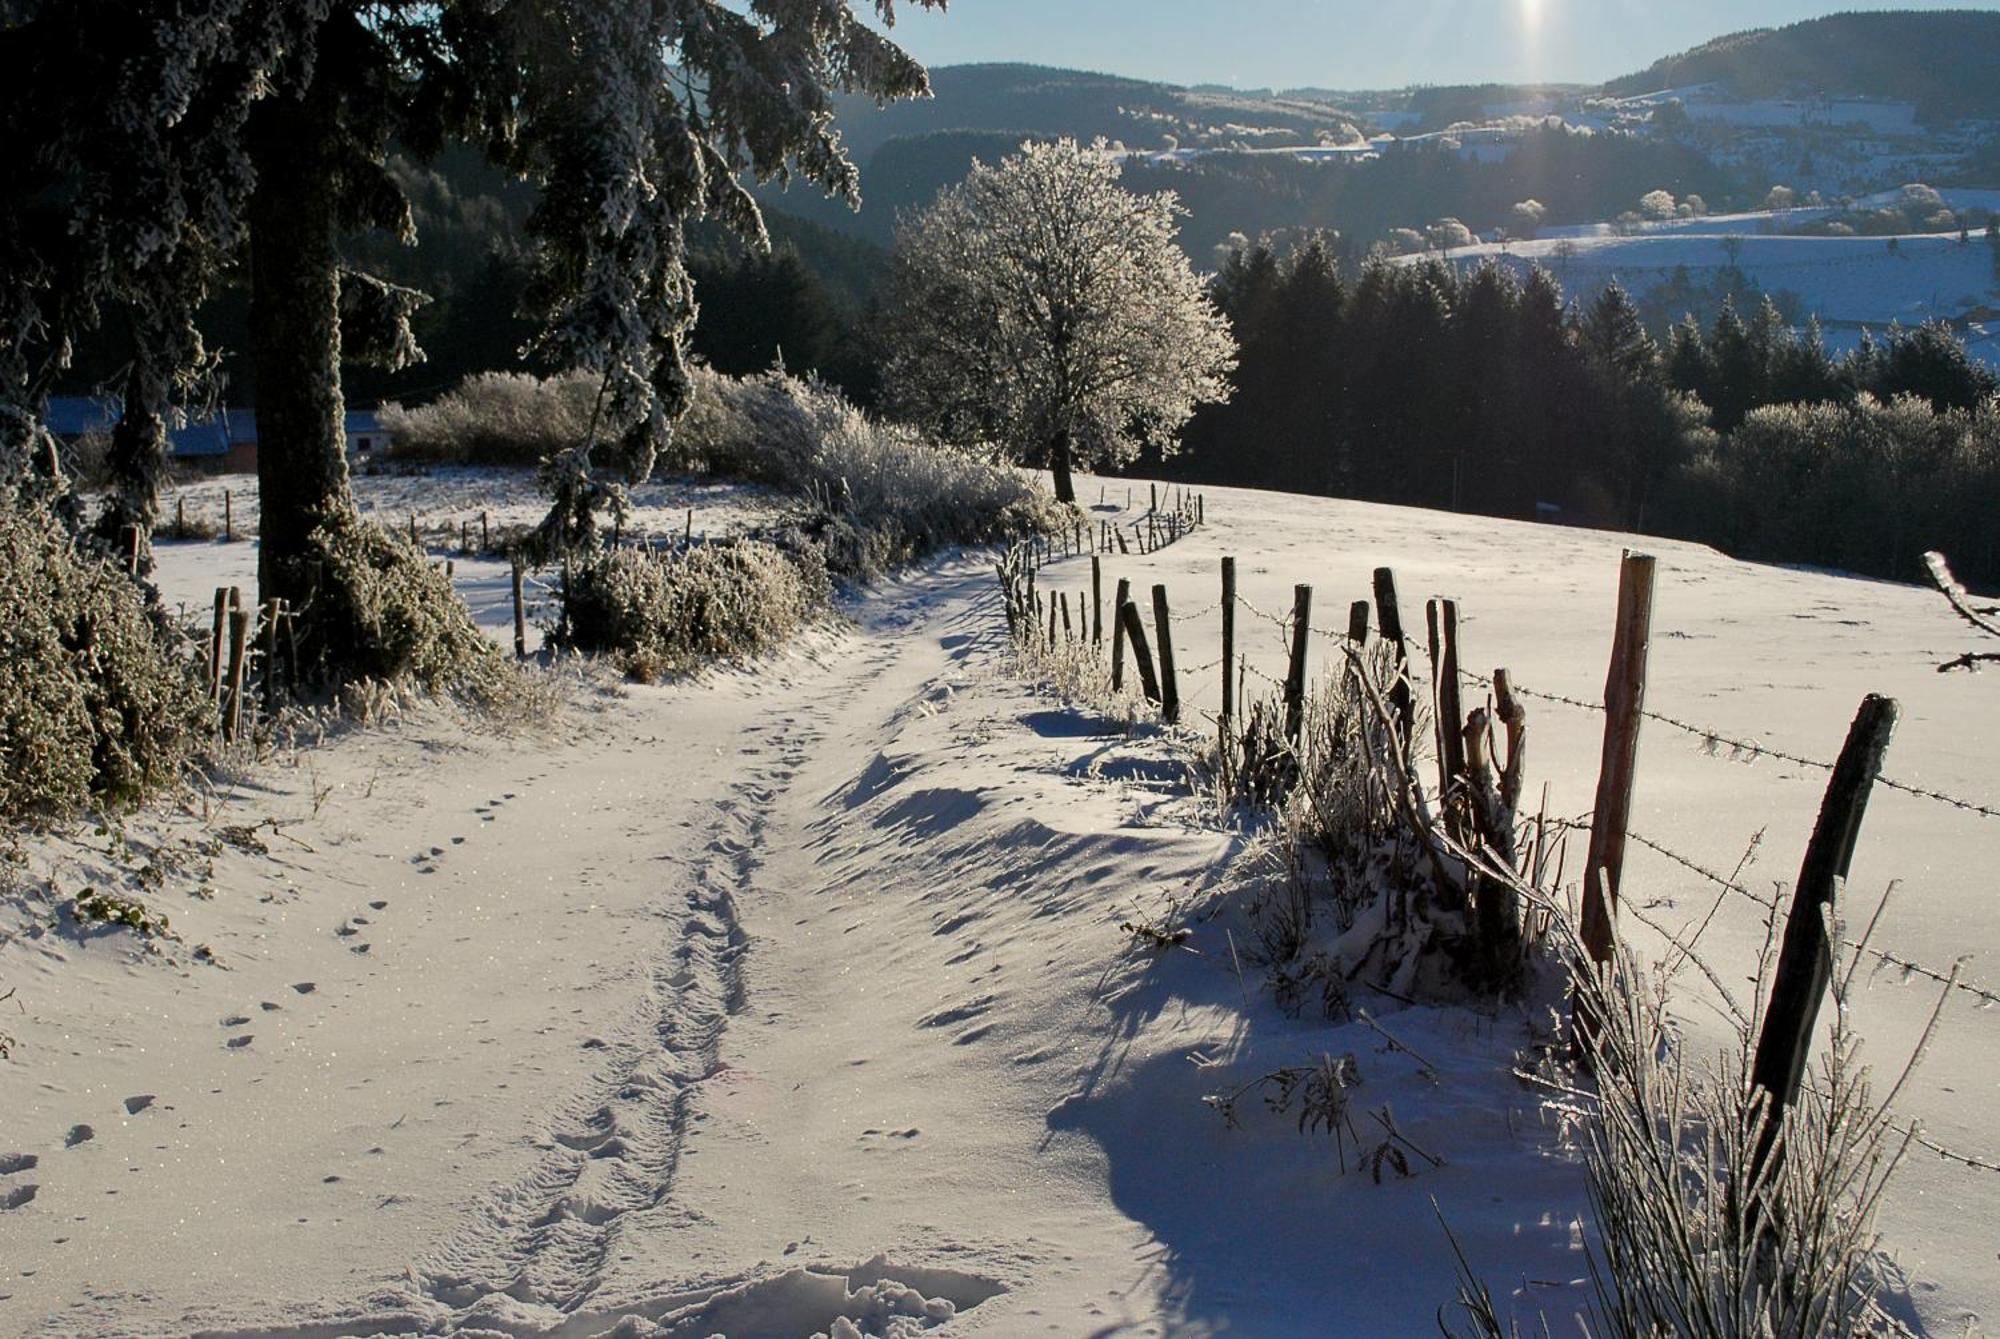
199	126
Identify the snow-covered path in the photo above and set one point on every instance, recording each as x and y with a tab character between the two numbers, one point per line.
779	998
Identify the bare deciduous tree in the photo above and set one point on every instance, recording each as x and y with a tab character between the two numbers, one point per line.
1041	309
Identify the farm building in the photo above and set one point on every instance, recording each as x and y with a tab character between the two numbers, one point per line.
224	442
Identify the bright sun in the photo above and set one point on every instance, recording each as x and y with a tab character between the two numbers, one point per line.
1531	13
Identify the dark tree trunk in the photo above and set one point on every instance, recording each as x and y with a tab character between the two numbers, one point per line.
302	477
1059	466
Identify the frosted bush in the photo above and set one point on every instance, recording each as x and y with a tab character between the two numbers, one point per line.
662	613
885	495
497	418
97	703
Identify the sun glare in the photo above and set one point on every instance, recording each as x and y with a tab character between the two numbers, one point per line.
1531	13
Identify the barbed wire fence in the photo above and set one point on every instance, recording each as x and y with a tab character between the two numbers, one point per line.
1237	667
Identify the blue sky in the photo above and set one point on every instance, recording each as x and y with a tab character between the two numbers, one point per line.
1345	43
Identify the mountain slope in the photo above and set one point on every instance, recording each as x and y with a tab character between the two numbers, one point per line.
1941	60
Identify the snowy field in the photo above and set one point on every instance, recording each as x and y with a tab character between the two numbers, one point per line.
446	505
794	999
1844	279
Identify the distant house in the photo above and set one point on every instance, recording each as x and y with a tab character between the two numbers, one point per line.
224	442
365	433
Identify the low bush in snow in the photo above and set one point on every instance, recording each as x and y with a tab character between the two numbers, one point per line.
496	418
404	622
666	612
888	495
98	702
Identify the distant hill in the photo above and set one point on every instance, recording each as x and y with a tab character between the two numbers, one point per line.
1947	62
909	150
1037	100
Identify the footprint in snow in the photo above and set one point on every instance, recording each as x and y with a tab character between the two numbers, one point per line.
238	1043
11	1163
235	1020
304	987
78	1134
139	1102
18	1196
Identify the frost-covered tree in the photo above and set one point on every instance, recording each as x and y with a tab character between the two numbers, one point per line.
152	141
1448	234
1656	205
1040	308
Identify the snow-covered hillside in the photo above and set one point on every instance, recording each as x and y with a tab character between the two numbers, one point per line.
1848	282
797	999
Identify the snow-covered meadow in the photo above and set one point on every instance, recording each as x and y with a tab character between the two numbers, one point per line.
1848	282
794	999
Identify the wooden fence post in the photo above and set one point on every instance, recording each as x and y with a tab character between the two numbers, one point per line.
239	634
1142	659
1170	684
1052	620
485	535
416	541
1118	602
1096	601
228	517
1069	633
215	644
272	611
1295	671
1624	705
180	518
1357	622
1389	618
1228	642
1154	505
1441	618
520	615
1805	959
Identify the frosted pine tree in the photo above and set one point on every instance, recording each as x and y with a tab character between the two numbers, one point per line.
1041	309
159	140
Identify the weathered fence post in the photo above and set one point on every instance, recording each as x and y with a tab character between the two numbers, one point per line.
1441	619
272	611
1069	633
1119	534
1357	622
416	542
1142	659
1052	620
1389	618
1624	705
1096	601
520	615
1118	602
215	644
1805	959
1154	505
228	517
1295	670
464	535
1228	642
239	635
1170	684
180	518
485	535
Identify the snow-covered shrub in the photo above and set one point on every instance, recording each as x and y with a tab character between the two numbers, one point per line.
406	622
664	613
885	495
97	703
495	418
